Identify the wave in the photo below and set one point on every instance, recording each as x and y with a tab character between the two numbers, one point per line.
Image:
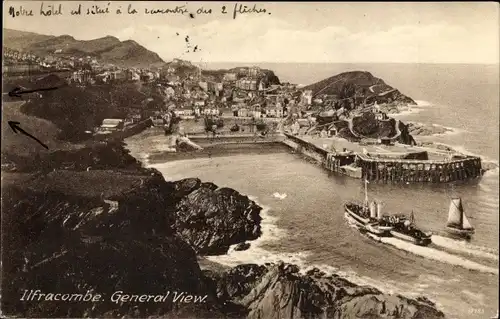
464	247
461	149
405	111
438	255
449	130
421	103
435	254
279	196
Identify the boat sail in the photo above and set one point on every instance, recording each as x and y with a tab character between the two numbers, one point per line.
457	221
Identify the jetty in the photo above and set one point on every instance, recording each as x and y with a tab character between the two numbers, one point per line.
404	164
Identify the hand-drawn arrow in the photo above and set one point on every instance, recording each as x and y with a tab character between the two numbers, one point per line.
18	91
15	127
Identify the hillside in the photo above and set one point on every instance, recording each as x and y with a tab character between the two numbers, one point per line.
241	71
181	68
365	85
107	49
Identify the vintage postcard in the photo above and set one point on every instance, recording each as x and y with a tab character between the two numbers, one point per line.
250	160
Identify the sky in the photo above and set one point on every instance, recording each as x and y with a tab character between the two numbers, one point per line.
306	32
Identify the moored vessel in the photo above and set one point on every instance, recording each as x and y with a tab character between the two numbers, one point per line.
457	223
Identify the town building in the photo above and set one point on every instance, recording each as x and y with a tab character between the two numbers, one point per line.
203	85
82	77
110	125
230	77
247	84
253	71
199	103
306	98
242	112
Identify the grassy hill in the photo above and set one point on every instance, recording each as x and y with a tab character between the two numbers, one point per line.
107	49
361	83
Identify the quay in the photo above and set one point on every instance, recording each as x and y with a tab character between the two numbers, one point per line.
410	166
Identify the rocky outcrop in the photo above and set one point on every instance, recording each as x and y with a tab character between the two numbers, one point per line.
368	126
422	129
211	219
363	85
280	291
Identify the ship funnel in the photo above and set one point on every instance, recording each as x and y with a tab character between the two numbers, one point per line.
373	210
379	210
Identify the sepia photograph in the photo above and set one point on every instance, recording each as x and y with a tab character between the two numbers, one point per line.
250	160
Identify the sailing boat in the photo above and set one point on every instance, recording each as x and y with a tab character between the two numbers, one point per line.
458	224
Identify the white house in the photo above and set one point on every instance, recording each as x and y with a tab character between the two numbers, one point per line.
256	113
242	112
199	103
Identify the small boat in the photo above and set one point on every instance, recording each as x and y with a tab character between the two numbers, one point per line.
405	229
367	216
457	223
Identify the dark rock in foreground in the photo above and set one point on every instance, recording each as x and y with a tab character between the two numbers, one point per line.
211	219
242	246
280	291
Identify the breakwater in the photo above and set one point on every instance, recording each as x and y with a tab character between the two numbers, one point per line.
389	169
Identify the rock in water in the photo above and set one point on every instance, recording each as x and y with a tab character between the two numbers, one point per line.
242	246
280	291
211	220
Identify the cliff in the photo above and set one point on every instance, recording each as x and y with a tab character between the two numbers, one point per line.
362	85
280	291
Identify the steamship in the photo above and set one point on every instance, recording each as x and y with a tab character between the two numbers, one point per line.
404	228
368	216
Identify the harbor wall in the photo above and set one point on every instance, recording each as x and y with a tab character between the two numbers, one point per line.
204	139
389	169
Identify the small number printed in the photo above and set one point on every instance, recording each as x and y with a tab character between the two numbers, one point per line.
476	311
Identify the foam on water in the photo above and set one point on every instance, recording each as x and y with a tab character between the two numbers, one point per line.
464	247
438	255
406	112
279	196
421	103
